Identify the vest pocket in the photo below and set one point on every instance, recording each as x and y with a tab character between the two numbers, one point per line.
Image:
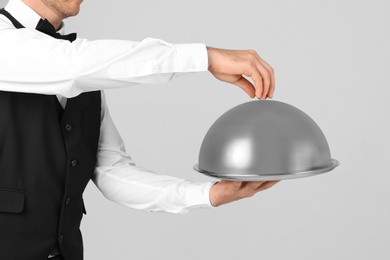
11	201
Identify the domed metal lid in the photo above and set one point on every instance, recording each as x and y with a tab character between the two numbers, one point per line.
264	140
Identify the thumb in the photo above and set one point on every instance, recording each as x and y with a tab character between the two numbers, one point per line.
245	85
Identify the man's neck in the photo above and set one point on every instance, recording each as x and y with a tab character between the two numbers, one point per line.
45	12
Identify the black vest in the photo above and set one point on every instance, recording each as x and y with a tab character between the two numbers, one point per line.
47	157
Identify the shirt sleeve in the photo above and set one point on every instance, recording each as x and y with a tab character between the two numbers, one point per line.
121	181
34	62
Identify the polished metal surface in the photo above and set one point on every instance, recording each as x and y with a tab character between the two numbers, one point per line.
264	140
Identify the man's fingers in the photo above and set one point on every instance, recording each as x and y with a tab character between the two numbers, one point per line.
266	82
237	184
272	89
255	184
257	78
266	185
268	75
272	78
260	72
246	86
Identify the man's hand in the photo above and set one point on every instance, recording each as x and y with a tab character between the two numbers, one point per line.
228	191
231	65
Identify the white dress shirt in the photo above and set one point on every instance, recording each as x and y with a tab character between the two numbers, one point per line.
33	62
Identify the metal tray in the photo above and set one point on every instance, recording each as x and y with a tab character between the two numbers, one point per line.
270	177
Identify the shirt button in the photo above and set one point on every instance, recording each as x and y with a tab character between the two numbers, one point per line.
68	127
67	200
73	163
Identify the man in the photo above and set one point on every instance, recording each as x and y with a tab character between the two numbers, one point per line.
56	132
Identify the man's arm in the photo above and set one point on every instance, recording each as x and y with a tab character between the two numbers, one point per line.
34	62
121	181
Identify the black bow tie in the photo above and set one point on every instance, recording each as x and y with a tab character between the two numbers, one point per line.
46	27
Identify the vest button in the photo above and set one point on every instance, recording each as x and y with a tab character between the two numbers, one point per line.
67	201
68	127
73	163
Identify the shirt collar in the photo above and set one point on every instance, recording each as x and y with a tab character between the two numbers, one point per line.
25	15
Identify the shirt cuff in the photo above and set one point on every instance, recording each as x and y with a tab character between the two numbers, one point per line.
198	195
192	57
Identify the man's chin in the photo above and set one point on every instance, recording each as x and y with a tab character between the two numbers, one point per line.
72	12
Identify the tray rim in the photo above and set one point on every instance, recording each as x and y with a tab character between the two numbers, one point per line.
269	177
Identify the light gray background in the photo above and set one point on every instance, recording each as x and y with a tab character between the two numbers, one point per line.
331	60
